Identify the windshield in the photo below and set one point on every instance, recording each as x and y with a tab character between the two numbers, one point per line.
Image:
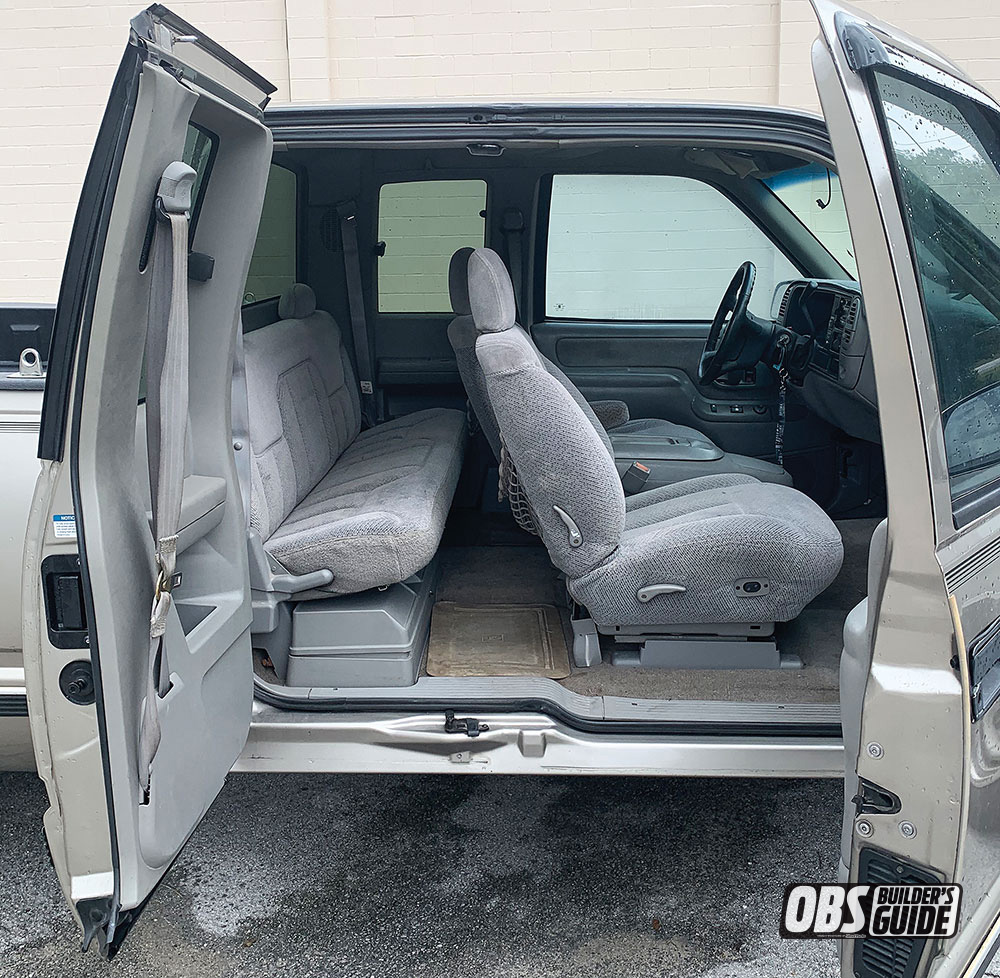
812	193
945	148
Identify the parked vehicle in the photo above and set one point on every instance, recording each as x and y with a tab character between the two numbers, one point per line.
756	536
24	342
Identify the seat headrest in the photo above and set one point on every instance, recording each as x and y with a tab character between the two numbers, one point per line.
458	281
491	295
298	301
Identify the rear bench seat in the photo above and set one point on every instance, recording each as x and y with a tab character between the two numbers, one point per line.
370	505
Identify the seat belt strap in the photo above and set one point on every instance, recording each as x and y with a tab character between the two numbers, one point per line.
356	302
167	378
512	227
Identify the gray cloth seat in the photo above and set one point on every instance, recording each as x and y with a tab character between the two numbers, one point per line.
701	540
368	505
610	418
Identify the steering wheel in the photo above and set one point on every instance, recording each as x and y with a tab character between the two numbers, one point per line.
732	327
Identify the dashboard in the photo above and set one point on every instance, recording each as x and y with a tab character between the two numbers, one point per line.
832	364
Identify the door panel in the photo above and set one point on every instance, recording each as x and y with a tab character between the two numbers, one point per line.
918	733
654	369
111	840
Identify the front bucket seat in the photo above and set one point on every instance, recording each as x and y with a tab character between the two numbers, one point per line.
726	549
691	453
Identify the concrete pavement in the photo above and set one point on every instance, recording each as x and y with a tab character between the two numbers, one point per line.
433	876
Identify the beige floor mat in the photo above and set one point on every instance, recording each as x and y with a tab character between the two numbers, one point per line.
497	640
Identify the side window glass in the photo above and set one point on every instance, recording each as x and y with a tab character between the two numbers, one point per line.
812	193
423	223
199	153
946	155
274	261
650	249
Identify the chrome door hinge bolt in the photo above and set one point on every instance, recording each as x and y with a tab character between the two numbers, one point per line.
907	830
875	750
864	828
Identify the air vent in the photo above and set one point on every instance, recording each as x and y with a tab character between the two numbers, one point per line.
964	572
783	308
851	321
889	957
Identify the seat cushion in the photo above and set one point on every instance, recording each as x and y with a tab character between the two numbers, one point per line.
377	516
708	542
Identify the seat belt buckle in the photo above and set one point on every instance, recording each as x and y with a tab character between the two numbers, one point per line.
634	478
366	387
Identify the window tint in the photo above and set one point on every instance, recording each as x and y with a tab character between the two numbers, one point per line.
273	264
629	247
812	193
946	152
423	223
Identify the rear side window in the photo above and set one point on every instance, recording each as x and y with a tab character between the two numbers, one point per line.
423	223
199	153
650	248
946	151
274	261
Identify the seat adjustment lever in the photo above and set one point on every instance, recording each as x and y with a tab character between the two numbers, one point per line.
575	537
296	583
650	591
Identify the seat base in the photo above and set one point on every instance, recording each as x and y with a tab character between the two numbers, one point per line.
706	652
710	646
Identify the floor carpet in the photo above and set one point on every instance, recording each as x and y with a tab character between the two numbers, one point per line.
497	640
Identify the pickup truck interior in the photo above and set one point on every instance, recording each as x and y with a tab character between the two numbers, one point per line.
584	423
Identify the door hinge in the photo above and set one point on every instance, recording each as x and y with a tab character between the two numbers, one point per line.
470	726
872	799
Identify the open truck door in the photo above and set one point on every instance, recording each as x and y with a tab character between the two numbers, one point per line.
918	150
136	592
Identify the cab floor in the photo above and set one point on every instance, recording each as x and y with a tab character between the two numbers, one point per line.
524	575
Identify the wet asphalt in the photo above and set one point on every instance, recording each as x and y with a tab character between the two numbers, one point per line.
501	877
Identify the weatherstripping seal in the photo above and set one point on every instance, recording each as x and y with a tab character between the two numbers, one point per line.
82	270
548	707
71	333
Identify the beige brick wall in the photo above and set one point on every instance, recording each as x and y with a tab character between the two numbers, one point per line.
59	57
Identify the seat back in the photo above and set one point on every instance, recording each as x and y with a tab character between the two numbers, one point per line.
463	333
570	480
304	404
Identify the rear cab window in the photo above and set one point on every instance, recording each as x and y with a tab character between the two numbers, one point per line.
650	248
946	151
422	223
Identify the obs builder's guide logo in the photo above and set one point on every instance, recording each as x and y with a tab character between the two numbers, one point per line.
870	911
